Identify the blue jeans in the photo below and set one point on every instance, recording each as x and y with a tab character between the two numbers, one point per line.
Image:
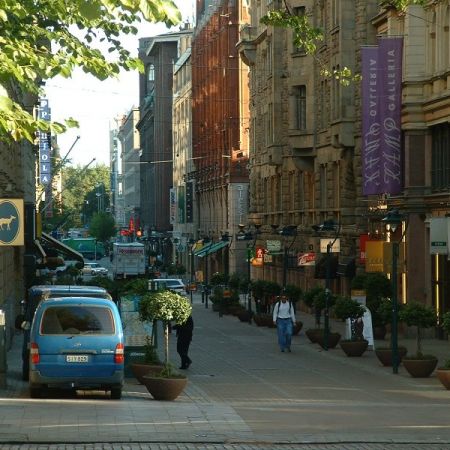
284	330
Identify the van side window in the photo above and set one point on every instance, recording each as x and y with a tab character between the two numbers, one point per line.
92	320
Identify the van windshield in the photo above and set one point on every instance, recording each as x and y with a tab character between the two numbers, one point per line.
77	319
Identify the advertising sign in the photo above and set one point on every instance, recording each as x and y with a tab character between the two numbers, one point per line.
335	245
439	236
258	260
381	121
273	246
172	205
306	259
11	222
44	145
363	238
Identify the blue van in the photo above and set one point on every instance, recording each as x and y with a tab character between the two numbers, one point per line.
77	343
34	297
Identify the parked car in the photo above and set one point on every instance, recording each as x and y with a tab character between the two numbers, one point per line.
93	268
34	297
174	284
76	342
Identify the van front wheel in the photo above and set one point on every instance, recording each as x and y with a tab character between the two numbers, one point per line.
116	393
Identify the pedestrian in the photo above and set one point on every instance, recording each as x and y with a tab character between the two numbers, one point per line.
284	319
184	338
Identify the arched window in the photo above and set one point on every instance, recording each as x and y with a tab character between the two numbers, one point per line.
151	72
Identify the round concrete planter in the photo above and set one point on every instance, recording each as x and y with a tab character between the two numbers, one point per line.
354	348
313	333
385	355
333	339
164	388
420	368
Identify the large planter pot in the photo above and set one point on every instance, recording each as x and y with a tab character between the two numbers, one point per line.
333	339
354	348
443	376
140	370
164	388
420	368
245	316
385	355
313	333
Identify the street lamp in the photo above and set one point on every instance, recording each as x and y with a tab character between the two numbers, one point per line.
392	220
191	257
248	236
206	240
288	231
327	226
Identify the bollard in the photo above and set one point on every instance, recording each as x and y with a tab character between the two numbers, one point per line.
3	366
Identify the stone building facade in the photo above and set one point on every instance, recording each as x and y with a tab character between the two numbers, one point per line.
305	164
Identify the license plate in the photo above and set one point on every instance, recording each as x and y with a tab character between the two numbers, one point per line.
77	358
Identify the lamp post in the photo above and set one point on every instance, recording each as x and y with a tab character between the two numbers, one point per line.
327	226
248	236
206	240
392	220
191	258
288	231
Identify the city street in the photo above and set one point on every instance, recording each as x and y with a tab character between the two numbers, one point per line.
243	390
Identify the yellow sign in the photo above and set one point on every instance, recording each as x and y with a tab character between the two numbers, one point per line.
11	222
379	257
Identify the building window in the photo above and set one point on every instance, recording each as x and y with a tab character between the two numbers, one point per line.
301	191
151	72
440	159
334	13
300	12
336	96
300	107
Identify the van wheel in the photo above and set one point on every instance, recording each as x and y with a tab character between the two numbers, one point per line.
116	393
35	392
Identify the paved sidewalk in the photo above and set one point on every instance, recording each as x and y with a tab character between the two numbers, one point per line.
244	393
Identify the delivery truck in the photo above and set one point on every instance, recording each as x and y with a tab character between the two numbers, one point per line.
128	260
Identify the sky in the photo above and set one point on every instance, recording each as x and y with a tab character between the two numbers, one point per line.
95	104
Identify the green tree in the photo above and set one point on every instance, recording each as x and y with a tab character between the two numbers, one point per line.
79	195
41	39
102	226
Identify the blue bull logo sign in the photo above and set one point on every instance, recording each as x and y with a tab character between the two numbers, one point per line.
11	222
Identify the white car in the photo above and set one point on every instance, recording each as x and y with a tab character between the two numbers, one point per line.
173	284
93	268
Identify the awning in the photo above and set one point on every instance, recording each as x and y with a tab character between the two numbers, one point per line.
211	248
63	248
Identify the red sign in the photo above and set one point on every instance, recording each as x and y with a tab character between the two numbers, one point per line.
306	259
363	238
258	260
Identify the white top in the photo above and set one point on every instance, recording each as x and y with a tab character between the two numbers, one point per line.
283	311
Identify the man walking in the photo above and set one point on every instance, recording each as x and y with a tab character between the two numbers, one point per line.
184	338
284	319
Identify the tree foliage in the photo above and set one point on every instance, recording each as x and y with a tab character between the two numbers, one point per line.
102	226
41	39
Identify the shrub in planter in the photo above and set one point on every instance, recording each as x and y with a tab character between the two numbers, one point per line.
443	372
293	293
309	299
420	316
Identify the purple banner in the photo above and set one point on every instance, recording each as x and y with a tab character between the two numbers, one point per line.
381	117
390	57
371	124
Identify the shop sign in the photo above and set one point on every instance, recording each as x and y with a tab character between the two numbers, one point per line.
379	257
363	238
273	246
335	245
258	260
11	222
306	259
439	235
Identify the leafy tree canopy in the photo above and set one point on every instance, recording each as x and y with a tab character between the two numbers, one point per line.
102	226
41	39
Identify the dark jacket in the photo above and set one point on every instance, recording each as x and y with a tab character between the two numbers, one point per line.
184	331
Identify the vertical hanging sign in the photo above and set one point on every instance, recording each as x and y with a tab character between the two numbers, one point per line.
381	117
172	205
44	145
371	126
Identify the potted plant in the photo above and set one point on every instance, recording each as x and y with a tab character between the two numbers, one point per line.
347	308
443	372
165	306
420	316
308	299
384	314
